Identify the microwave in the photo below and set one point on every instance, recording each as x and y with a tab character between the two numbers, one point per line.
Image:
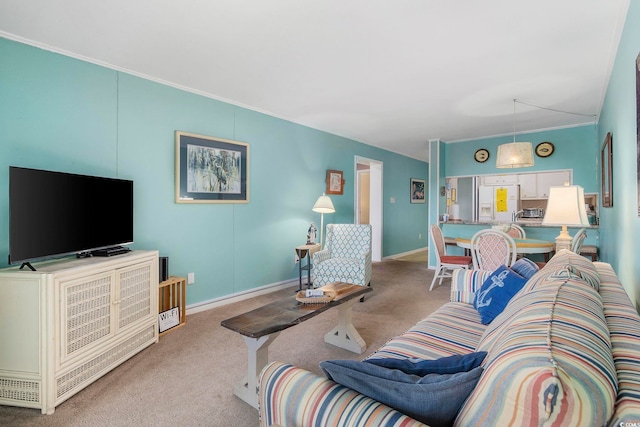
532	213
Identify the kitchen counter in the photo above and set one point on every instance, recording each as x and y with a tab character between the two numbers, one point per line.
533	228
521	222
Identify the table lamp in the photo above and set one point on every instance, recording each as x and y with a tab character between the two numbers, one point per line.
323	205
565	208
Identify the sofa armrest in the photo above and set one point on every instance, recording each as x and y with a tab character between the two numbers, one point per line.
291	396
465	283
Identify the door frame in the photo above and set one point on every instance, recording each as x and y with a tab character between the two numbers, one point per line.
375	202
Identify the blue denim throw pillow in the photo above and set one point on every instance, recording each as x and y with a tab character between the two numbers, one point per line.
434	399
525	267
422	367
496	292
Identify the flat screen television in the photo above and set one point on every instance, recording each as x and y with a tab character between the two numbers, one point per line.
53	214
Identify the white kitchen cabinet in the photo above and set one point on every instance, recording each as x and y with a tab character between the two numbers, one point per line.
70	322
528	186
536	185
551	179
507	179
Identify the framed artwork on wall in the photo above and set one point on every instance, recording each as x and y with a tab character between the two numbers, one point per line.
211	170
417	190
606	163
335	182
637	66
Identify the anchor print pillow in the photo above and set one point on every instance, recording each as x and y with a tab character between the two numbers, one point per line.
496	292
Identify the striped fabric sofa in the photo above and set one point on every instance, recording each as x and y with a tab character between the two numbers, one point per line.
564	352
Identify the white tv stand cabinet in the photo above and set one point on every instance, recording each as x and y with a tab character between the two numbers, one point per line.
72	321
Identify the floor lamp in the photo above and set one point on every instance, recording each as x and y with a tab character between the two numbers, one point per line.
323	205
566	208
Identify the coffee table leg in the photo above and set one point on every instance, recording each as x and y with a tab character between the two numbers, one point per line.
258	352
345	335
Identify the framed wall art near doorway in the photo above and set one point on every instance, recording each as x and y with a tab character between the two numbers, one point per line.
417	190
606	163
211	170
335	182
637	66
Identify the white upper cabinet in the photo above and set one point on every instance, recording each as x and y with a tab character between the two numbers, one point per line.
532	185
528	185
507	179
551	179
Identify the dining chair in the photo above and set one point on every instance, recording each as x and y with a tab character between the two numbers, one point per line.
492	248
578	240
516	232
445	264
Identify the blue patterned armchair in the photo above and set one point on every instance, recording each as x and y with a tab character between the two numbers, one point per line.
346	256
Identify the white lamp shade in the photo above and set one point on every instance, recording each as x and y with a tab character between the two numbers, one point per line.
566	207
515	155
324	205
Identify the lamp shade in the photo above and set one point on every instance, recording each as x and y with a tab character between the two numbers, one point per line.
515	155
323	205
566	207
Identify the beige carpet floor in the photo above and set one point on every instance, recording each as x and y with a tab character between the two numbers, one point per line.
188	377
420	256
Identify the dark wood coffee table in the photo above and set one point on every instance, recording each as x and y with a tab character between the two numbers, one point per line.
260	327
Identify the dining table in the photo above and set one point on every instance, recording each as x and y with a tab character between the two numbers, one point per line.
523	246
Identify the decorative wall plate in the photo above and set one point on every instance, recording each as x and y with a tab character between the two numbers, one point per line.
481	155
544	149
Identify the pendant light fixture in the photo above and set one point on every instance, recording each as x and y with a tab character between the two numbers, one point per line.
515	154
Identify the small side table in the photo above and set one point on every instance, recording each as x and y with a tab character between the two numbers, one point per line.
306	251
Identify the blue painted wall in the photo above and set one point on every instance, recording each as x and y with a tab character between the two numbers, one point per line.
63	114
574	149
619	225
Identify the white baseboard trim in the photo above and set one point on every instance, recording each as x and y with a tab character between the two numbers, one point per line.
396	256
240	296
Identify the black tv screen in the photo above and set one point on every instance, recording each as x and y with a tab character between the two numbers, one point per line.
55	213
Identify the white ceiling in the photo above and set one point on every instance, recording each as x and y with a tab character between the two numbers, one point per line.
392	74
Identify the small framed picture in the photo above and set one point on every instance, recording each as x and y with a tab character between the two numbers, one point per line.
335	182
417	190
211	170
606	162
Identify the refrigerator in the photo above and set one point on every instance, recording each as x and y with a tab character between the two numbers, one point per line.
498	203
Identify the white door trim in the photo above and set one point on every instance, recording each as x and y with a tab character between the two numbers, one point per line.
375	208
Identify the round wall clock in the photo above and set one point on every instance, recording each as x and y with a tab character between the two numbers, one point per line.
544	149
481	155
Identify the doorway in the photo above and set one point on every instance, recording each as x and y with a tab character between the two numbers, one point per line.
368	203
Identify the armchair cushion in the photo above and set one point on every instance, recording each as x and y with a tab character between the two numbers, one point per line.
434	399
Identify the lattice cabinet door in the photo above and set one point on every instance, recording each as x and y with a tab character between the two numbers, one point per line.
136	299
87	317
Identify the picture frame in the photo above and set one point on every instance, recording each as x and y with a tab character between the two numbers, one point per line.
335	182
210	169
637	67
606	165
417	188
